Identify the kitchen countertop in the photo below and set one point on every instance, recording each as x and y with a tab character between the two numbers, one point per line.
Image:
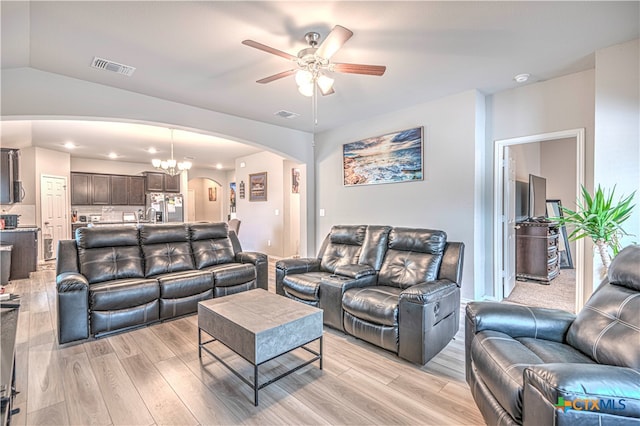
23	228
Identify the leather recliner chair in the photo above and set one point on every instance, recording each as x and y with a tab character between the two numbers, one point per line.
536	366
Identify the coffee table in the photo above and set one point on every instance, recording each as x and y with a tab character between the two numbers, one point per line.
259	326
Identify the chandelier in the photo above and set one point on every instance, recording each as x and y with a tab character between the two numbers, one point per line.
171	166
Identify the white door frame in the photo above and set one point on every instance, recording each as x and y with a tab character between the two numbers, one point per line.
498	207
67	223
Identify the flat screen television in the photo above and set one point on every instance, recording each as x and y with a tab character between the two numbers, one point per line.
522	201
537	197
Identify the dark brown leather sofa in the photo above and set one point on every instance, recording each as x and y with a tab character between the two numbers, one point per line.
397	288
115	277
537	366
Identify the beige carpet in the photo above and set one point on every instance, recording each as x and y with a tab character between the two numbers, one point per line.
559	294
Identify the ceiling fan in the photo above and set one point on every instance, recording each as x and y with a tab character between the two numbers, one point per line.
314	61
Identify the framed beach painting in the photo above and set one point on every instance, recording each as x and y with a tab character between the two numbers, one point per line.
391	158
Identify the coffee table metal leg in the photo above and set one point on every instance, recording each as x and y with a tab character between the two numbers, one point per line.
321	352
199	342
255	385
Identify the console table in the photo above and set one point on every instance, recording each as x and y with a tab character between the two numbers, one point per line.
537	251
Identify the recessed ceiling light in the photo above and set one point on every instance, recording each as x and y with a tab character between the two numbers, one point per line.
522	78
152	150
243	164
69	145
219	166
113	155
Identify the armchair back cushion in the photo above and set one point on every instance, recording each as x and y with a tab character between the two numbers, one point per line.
413	256
344	247
107	254
166	249
211	244
610	319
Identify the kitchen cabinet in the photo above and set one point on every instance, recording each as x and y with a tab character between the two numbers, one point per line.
80	189
136	191
100	190
24	254
119	190
161	182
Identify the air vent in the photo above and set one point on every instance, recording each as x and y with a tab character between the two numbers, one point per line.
287	114
107	65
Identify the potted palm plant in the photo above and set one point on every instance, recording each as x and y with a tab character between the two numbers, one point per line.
601	218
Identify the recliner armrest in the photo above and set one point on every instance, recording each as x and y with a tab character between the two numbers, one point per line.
261	262
71	281
428	292
355	271
594	388
299	265
518	320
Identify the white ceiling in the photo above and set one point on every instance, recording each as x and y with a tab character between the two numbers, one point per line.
191	52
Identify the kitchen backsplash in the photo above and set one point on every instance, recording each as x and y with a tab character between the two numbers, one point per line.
106	213
27	212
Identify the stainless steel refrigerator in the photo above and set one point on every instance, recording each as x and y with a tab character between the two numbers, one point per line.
168	207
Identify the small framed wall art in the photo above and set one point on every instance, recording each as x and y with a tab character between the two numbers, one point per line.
258	186
213	193
391	158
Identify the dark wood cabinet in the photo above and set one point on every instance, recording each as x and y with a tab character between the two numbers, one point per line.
537	251
172	183
100	189
161	182
119	190
24	253
80	189
154	182
136	191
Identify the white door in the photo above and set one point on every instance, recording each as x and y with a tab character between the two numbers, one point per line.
53	211
509	228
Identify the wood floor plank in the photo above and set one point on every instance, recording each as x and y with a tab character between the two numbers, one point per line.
174	339
161	400
85	404
124	345
40	328
53	415
98	348
120	395
45	381
206	406
151	345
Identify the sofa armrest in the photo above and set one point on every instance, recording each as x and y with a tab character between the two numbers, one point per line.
261	262
580	390
292	266
518	320
73	306
427	292
355	271
67	257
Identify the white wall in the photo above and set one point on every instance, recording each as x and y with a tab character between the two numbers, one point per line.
206	209
617	125
444	200
291	210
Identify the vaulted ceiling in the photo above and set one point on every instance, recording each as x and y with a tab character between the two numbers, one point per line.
191	52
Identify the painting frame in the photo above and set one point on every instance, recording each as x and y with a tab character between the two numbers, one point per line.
258	186
295	180
394	157
213	193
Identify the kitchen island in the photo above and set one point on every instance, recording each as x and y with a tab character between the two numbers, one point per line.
24	254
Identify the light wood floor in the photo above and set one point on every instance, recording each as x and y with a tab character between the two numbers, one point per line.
152	375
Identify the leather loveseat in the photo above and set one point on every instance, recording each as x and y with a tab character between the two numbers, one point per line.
397	288
115	277
537	366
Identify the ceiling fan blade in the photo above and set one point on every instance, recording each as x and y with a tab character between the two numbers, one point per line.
359	69
276	76
334	41
269	49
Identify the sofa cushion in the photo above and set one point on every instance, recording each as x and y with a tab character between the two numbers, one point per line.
106	236
231	274
607	323
167	257
185	283
304	286
110	263
208	231
163	233
413	257
122	294
377	304
348	234
212	252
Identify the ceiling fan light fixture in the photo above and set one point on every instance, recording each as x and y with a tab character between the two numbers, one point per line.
303	77
156	162
306	89
325	83
171	166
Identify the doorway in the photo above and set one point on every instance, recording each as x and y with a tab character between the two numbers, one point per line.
206	200
503	218
53	214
